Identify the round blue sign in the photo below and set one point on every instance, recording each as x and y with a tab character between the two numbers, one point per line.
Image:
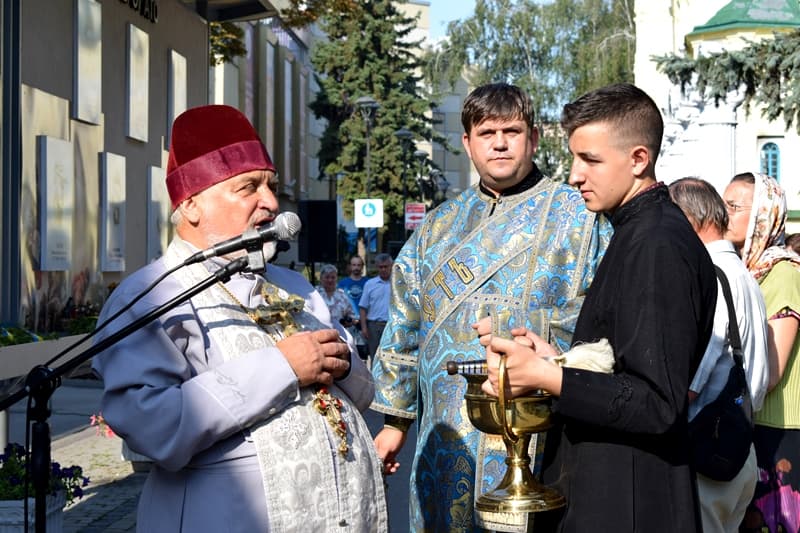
368	209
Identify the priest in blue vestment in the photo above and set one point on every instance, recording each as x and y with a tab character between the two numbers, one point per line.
517	245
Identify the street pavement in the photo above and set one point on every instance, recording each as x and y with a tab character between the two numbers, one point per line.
109	502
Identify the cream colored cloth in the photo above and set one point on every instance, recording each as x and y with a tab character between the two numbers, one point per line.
595	356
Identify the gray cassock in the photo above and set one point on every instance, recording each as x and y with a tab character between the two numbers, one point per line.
174	396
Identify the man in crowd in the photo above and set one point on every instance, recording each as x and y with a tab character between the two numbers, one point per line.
515	244
618	450
353	287
723	504
353	284
374	303
214	391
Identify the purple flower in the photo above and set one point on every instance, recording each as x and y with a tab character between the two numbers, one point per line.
14	476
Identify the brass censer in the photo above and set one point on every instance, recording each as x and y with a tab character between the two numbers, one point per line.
516	420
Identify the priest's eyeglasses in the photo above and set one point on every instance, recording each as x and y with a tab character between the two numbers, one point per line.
735	208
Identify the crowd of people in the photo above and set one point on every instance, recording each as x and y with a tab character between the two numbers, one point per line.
248	396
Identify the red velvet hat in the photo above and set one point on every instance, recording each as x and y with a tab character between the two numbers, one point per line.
211	144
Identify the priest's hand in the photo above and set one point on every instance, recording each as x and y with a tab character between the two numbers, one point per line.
388	443
316	356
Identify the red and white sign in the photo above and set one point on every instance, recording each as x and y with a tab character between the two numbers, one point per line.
415	213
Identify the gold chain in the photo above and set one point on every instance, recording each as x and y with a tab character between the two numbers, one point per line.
280	312
249	312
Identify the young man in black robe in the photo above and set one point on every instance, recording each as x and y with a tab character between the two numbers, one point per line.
618	450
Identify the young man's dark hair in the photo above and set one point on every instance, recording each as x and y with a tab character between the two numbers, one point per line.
630	111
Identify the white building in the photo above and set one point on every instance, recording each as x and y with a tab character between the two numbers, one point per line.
700	139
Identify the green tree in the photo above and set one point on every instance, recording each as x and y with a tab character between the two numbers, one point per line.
766	73
225	41
555	51
369	53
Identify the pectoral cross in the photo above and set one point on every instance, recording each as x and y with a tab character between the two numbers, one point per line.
279	311
330	407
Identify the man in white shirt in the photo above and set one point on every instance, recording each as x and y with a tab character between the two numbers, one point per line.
374	303
723	504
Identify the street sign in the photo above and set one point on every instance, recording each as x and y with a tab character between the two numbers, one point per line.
415	213
369	213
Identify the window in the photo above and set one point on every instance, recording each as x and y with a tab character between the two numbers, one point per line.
771	160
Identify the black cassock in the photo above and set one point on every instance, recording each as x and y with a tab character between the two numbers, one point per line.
619	448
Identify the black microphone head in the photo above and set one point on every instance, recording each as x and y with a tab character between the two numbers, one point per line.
287	225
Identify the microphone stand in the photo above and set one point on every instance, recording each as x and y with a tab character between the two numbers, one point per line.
41	381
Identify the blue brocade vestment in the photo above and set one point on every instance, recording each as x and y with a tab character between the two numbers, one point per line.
528	256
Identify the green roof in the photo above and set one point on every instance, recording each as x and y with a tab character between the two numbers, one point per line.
749	14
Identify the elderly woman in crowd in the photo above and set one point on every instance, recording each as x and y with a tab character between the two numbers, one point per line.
757	208
338	302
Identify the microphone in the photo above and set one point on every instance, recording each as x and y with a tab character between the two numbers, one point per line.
285	227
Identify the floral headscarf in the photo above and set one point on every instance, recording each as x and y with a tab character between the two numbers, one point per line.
764	244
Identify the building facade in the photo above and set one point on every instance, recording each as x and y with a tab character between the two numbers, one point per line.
701	139
90	89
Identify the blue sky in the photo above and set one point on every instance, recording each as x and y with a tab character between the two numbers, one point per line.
443	11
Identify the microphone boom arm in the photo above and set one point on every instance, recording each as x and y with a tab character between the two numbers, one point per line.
42	382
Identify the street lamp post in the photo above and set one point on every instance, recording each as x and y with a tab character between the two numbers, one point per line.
367	106
421	155
405	137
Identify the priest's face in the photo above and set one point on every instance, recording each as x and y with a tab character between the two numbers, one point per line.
230	207
603	169
502	151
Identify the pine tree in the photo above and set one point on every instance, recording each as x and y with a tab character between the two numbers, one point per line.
765	72
369	53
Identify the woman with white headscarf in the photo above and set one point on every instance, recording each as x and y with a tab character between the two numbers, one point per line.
756	204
